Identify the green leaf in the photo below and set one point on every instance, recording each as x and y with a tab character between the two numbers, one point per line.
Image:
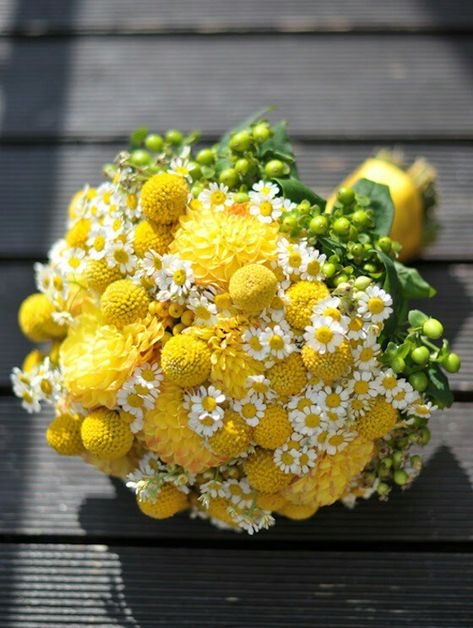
413	284
417	318
332	247
381	204
138	137
392	285
438	386
296	191
222	145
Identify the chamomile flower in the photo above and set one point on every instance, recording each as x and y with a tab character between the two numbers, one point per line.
264	189
403	395
356	328
121	254
260	385
175	279
239	492
205	312
287	458
293	258
334	400
358	406
182	167
324	334
204	406
251	408
337	441
387	383
365	356
74	261
307	459
44	275
216	197
149	375
330	307
374	304
151	264
278	340
253	343
421	408
97	242
308	420
265	209
364	384
212	490
313	270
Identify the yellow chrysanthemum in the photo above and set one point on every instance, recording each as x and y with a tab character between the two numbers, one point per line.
219	243
233	438
170	501
164	197
106	434
327	482
263	474
99	275
302	297
124	302
149	235
378	421
297	511
63	435
166	432
252	288
328	366
78	233
274	428
96	360
270	501
185	360
36	319
288	377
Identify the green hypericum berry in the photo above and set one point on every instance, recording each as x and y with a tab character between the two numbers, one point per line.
329	269
452	363
341	226
369	268
241	197
383	489
240	142
140	157
261	133
154	142
229	177
387	462
339	279
304	207
195	170
432	328
346	196
398	458
360	218
416	462
357	250
420	355
361	283
424	436
400	477
174	137
419	381
398	364
290	222
385	244
318	225
197	188
205	157
275	168
242	166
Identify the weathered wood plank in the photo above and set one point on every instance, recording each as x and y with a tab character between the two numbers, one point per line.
217	15
141	586
376	86
43	493
38	182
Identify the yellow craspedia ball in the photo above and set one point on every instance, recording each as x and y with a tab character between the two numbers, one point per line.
274	428
32	360
378	421
106	434
288	377
297	511
150	235
124	302
35	318
328	366
252	288
219	243
99	275
263	474
170	501
270	502
185	360
218	509
164	197
78	234
233	438
63	435
302	297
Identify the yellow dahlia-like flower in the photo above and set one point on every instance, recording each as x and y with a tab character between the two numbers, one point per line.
36	319
327	482
164	197
170	501
63	435
96	360
252	288
297	511
268	501
78	233
166	432
219	243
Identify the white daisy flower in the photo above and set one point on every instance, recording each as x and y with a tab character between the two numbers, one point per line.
287	458
121	254
356	328
278	340
264	189
44	276
212	489
97	242
374	304
74	261
204	406
251	408
338	440
293	258
308	420
253	343
181	167
205	312
330	307
324	334
364	384
57	252
151	264
307	459
239	492
175	279
261	385
387	383
403	395
334	400
216	197
358	406
421	408
265	209
313	270
149	375
366	354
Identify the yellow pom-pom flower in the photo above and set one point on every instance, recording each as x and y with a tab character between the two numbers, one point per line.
170	500
263	474
270	501
233	438
252	288
302	296
63	435
99	275
219	509
274	428
77	235
124	302
288	377
164	197
219	243
297	512
32	360
186	361
36	319
378	421
149	235
328	366
106	434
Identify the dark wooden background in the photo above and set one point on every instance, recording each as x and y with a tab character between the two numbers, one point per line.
350	76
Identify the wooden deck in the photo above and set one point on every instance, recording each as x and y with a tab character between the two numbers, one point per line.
350	76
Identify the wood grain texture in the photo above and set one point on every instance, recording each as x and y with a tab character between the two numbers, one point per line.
347	87
452	305
42	16
174	587
37	193
44	493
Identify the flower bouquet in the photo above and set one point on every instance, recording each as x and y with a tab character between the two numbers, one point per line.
218	336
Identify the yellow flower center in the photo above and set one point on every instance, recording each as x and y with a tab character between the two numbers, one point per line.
46	387
287	458
313	267
255	344
332	312
99	243
148	375
361	387
207	421
302	404
179	277
336	439
131	201
106	197
74	262
366	354
141	390
265	208
249	411
134	400
121	256
312	420
218	197
202	312
357	404
209	403
333	400
324	335
389	382
295	259
355	324
276	342
375	305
